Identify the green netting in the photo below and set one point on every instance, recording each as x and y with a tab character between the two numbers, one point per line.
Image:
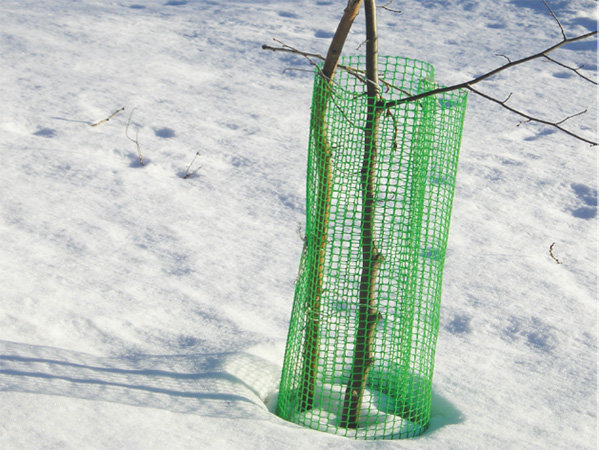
360	350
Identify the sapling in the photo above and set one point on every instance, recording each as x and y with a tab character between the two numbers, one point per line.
371	258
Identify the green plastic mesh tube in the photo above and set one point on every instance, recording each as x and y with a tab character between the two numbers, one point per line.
361	344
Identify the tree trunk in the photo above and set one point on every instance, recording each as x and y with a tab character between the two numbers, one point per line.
323	205
368	315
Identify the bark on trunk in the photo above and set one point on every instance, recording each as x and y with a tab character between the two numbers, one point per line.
323	205
368	316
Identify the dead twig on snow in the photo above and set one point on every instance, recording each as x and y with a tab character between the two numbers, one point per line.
552	253
100	122
135	141
187	171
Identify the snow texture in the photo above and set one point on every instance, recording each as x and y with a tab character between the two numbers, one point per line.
142	309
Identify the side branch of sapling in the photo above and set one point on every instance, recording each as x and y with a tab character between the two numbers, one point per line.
468	84
530	118
575	70
489	74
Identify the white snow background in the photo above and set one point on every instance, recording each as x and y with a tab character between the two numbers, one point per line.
139	309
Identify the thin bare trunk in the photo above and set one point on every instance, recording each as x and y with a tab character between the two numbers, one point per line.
368	315
322	204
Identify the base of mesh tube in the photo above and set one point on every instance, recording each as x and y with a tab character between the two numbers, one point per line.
376	422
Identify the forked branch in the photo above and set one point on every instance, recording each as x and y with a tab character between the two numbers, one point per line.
576	70
469	84
491	73
530	118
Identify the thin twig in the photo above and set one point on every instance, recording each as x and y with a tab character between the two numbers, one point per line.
344	115
397	11
100	122
570	117
552	253
534	119
288	49
135	141
504	56
389	85
562	30
361	44
390	114
308	56
187	171
357	73
296	69
574	69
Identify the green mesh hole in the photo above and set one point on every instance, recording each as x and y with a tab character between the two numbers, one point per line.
399	211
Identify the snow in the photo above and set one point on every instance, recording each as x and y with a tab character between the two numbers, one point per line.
140	309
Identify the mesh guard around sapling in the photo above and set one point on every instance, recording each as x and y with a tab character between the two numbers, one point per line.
404	208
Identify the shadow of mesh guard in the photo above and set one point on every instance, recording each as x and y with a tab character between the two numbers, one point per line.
360	364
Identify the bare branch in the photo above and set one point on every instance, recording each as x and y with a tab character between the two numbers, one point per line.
359	74
574	69
469	84
489	74
288	49
562	30
530	118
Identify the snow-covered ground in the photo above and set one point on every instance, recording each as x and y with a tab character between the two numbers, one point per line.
139	309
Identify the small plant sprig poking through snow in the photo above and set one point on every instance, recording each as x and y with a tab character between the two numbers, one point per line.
135	141
100	122
552	253
187	171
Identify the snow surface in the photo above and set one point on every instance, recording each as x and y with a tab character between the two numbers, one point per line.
140	309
